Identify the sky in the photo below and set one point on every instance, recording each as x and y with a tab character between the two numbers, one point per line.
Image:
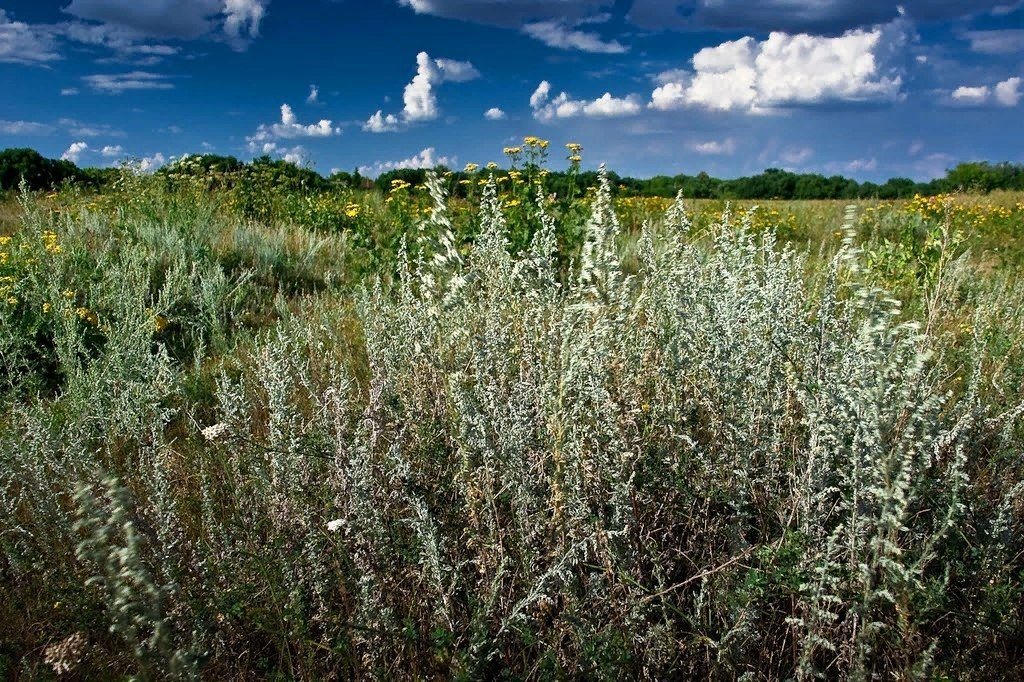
865	89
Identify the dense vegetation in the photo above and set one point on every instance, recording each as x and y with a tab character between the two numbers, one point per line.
257	433
46	174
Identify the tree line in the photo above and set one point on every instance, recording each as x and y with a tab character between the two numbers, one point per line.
43	174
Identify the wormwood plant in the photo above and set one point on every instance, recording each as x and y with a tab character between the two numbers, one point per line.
707	464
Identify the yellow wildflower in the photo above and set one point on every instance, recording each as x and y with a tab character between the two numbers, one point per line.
87	315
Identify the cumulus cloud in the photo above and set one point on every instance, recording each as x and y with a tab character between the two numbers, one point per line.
564	106
420	100
427	158
21	43
494	114
290	128
148	164
972	95
314	95
117	83
74	152
540	95
381	123
558	33
726	146
419	97
785	70
112	151
25	128
1005	93
242	21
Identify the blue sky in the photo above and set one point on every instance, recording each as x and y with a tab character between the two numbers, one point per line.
861	88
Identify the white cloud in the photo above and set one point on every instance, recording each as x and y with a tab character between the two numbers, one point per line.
242	20
151	163
420	100
540	95
1005	93
117	83
1008	92
290	128
419	97
21	43
25	128
564	106
786	70
726	146
69	91
972	95
112	151
427	158
494	114
557	33
379	123
314	95
671	76
74	152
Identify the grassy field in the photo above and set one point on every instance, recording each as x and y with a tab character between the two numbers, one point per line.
251	433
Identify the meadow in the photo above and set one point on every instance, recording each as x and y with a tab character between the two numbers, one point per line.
477	429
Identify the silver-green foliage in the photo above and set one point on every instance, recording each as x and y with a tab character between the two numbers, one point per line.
714	466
